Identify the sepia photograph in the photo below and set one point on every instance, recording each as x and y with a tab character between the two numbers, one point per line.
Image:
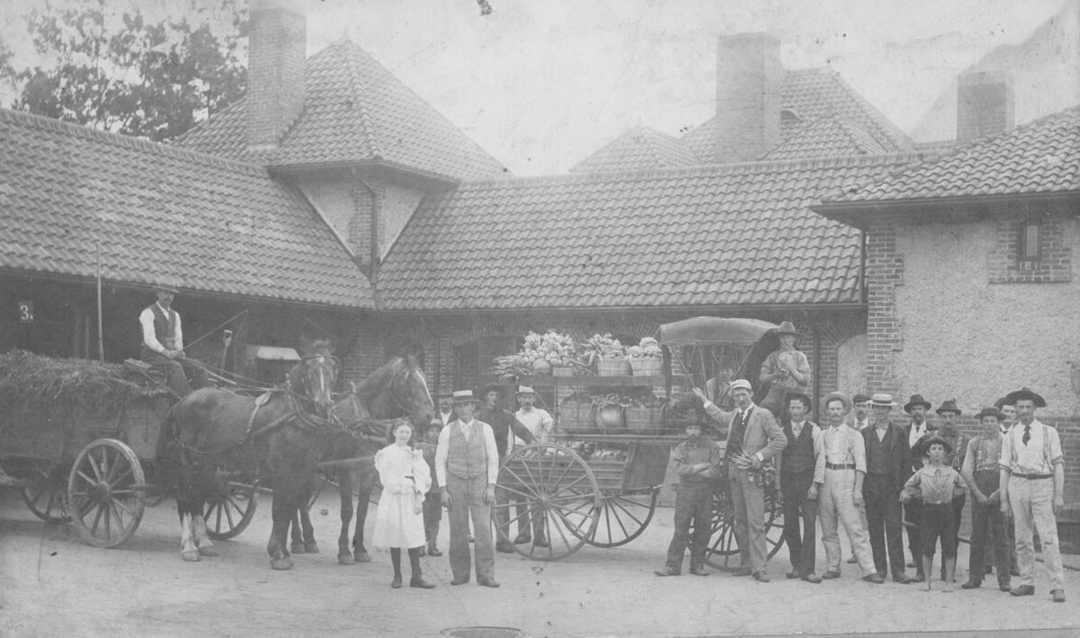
539	318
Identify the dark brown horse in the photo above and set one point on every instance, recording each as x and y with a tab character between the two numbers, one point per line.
396	390
281	434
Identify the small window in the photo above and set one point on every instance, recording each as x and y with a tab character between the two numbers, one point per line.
1030	236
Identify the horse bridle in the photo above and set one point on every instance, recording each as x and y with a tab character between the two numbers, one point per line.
335	362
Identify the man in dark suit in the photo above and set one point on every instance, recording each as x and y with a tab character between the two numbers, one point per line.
754	441
888	466
916	430
799	472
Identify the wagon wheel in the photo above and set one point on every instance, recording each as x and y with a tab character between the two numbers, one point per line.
556	489
231	507
45	497
723	548
623	517
104	505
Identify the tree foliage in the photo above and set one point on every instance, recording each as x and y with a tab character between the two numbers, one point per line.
128	74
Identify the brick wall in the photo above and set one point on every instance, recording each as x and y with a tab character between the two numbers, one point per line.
748	78
884	272
276	74
1055	263
984	104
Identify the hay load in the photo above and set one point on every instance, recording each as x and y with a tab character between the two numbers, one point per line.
30	382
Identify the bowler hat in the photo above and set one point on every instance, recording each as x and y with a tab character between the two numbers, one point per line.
994	412
882	400
925	444
1025	394
916	399
741	384
807	403
837	395
787	328
949	406
444	392
860	398
464	396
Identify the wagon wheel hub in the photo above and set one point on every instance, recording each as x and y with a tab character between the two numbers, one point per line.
99	492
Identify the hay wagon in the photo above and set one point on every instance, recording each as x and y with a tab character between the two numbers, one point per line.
598	482
83	460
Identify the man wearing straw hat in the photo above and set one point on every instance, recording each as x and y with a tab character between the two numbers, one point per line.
467	467
888	466
1032	483
785	370
163	344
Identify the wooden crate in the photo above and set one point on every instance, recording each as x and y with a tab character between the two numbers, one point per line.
577	418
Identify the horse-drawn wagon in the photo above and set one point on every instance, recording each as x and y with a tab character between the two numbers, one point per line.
80	437
599	481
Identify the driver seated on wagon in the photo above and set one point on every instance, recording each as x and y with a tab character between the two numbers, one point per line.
163	344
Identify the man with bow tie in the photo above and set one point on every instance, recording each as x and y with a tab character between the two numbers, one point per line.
754	440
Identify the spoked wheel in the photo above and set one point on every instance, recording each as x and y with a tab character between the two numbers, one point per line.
232	506
623	517
723	547
551	491
46	497
102	497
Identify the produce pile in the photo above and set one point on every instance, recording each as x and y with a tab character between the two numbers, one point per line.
538	355
32	382
601	347
648	348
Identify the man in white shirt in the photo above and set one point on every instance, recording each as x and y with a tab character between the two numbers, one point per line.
540	424
467	467
860	411
163	345
1032	492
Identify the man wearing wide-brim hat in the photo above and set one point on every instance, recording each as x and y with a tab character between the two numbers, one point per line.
916	430
888	465
1032	490
467	467
785	370
163	344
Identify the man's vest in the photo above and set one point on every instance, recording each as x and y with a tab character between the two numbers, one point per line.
466	458
799	453
164	327
877	452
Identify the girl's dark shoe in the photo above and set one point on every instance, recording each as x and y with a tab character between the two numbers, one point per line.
396	583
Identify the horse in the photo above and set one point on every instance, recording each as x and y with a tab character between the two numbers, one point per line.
281	434
396	390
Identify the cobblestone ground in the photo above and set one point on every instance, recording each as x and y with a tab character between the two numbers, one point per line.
51	584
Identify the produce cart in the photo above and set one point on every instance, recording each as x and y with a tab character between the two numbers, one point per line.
598	482
79	443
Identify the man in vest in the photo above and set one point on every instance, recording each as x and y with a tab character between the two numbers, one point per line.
888	466
467	466
163	345
799	472
916	430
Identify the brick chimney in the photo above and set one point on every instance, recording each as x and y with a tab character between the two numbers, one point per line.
748	78
984	104
277	71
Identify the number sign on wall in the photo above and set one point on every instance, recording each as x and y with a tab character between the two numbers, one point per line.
26	312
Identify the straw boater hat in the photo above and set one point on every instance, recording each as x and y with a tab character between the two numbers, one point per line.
860	398
1025	393
837	395
925	444
464	396
787	328
949	406
994	412
916	399
882	400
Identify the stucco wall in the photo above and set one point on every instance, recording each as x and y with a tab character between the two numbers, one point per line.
851	365
331	195
966	338
398	204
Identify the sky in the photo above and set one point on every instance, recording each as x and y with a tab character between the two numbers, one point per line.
540	84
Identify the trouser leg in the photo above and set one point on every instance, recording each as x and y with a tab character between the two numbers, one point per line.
980	523
414	563
792	517
1042	511
852	522
875	521
912	513
1020	502
737	479
681	536
432	517
830	533
195	373
1002	550
460	555
701	520
481	520
809	540
395	560
894	531
754	499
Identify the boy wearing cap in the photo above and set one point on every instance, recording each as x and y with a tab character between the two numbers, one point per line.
949	429
936	485
1032	483
696	462
843	464
982	474
432	500
163	345
467	467
888	466
785	370
799	472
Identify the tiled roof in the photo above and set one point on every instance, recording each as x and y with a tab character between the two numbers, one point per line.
829	136
159	211
1040	157
640	148
812	94
713	235
354	111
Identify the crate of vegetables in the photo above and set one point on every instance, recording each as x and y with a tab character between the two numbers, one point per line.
577	417
646	358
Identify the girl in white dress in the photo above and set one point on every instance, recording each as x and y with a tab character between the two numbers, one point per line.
399	521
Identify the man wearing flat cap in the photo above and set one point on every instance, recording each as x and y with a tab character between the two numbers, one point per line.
540	425
754	442
163	344
1032	489
888	466
446	412
467	467
860	412
785	370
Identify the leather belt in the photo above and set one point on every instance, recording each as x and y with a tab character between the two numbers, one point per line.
1032	477
842	466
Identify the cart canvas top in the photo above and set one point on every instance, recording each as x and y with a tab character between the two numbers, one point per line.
702	331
